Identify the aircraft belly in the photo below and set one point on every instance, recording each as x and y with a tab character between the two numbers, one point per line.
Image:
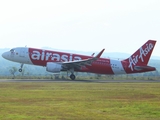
117	67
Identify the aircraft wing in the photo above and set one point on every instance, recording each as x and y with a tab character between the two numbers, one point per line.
79	63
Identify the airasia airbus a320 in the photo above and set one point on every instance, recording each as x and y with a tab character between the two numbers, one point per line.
56	61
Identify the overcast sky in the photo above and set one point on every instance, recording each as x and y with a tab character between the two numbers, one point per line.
83	25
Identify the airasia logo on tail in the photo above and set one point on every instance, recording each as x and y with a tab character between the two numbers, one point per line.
50	56
133	60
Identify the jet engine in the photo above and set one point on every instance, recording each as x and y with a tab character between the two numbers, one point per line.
53	67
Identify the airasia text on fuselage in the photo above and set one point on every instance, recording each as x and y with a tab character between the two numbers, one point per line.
53	56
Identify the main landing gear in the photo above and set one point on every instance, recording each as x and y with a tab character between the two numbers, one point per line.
72	76
20	70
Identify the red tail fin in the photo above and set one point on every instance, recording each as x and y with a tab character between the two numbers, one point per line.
142	55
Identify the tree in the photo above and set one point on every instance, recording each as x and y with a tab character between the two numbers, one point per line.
98	76
13	70
23	71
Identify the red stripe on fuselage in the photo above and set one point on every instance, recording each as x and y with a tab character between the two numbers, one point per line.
41	57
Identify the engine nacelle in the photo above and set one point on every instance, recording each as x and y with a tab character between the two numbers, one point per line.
53	67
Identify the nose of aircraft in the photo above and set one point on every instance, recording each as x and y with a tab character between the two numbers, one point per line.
4	55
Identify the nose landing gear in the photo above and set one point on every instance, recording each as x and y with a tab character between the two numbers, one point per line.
20	70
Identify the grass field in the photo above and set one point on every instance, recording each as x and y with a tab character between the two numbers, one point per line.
79	101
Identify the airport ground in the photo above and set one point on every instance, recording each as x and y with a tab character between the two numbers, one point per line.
79	99
83	81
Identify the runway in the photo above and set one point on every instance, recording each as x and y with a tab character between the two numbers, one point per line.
80	81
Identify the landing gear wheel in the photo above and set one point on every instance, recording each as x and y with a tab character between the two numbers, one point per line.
72	76
20	70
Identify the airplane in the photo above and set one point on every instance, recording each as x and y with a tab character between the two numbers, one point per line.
56	61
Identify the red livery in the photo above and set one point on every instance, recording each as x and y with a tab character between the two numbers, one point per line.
56	61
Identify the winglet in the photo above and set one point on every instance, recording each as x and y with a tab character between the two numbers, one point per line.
92	54
99	54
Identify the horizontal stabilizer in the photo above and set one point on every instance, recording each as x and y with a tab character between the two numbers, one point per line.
138	68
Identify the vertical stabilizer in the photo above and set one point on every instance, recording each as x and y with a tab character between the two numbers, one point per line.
142	55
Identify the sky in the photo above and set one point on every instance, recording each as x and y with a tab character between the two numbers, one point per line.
81	25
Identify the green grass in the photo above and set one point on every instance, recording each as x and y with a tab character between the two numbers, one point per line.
79	101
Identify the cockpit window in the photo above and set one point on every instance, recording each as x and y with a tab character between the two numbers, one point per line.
12	50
